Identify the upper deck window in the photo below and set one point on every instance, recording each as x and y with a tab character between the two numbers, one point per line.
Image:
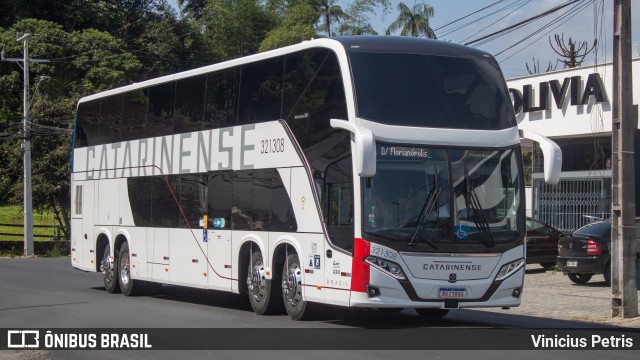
431	91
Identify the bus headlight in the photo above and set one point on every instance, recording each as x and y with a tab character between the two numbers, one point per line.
508	269
389	267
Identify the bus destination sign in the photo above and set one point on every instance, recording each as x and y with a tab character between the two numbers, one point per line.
403	152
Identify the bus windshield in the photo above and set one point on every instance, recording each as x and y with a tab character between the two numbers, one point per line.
431	91
436	195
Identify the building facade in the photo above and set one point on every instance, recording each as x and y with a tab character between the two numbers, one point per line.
573	107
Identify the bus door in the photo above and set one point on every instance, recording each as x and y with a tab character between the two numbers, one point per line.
88	237
78	223
339	207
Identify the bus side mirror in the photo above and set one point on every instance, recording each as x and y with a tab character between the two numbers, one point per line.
365	145
552	155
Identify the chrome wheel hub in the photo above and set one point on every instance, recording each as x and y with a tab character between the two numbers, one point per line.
106	268
292	284
256	281
125	276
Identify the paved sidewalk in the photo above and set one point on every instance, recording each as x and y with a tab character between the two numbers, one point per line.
551	294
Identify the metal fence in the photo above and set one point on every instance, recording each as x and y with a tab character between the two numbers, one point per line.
571	203
51	232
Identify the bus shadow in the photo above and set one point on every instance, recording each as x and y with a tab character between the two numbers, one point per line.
408	318
194	296
370	318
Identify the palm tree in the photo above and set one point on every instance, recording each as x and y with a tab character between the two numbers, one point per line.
414	22
329	12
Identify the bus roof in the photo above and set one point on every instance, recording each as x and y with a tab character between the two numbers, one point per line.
406	44
349	44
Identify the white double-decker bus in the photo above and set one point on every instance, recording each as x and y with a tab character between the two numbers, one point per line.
379	172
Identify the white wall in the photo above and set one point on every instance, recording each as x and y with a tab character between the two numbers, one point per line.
572	120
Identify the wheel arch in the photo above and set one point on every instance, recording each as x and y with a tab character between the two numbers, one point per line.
284	246
243	261
120	239
101	243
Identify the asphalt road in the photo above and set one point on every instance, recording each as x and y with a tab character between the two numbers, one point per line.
49	293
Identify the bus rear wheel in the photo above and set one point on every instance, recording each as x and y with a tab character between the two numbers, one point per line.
109	272
296	308
262	292
129	286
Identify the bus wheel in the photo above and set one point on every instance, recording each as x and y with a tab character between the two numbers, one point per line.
261	294
109	272
292	289
432	313
128	286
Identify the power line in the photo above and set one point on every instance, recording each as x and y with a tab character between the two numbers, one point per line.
497	21
466	16
566	16
524	22
460	27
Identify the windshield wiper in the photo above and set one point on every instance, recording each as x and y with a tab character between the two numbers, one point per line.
479	217
427	209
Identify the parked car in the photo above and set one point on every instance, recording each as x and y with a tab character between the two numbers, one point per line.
542	243
586	252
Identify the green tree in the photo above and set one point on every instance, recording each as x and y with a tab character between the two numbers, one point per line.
296	26
357	17
235	28
414	22
330	13
82	63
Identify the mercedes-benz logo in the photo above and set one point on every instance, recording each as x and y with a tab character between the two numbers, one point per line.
453	277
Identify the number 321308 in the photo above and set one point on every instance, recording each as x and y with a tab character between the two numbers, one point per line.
271	146
383	253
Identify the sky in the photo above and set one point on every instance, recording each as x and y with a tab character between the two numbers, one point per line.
591	19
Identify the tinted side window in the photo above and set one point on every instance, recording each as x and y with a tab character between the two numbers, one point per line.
192	192
134	115
88	124
222	98
164	209
260	202
111	119
314	94
242	211
261	91
272	208
189	109
160	115
338	203
140	194
219	198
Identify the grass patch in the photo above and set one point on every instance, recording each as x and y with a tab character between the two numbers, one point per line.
55	252
10	254
13	214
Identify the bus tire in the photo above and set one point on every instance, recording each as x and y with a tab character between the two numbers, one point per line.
262	292
109	272
432	313
296	308
129	286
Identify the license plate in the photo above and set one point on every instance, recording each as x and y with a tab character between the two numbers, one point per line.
572	263
452	293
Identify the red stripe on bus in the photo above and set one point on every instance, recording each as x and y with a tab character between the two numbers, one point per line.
360	274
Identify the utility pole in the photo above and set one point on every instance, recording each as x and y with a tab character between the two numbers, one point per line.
26	145
624	296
